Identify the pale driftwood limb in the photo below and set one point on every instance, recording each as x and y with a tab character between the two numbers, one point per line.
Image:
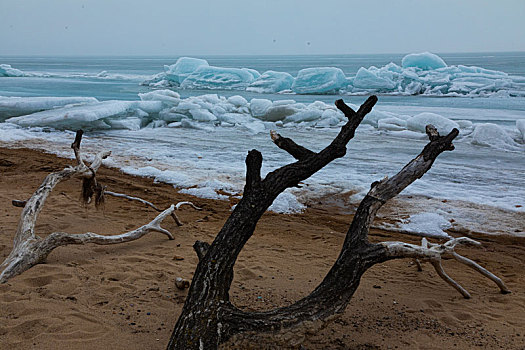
30	249
433	253
482	270
143	201
21	203
35	251
180	204
439	269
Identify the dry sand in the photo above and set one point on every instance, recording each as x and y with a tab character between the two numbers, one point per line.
124	297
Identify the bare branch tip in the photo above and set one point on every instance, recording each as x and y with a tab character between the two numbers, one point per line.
274	135
78	139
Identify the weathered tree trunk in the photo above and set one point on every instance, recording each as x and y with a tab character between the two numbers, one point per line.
208	318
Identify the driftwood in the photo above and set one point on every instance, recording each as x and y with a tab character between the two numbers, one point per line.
208	318
30	249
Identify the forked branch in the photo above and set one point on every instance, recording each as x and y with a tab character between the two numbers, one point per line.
209	318
30	249
433	253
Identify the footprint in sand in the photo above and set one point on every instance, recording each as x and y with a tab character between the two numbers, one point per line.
41	281
433	304
462	316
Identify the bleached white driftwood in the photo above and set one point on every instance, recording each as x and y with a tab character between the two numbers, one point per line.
433	252
143	201
30	249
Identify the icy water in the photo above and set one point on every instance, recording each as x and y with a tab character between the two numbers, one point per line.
199	142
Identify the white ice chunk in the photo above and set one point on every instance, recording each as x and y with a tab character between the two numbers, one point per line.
175	178
367	79
421	120
255	74
185	106
169	97
209	77
428	224
259	106
493	135
304	115
88	116
204	192
279	112
464	124
182	68
131	123
234	118
393	124
286	203
202	115
271	82
16	106
374	116
170	115
7	71
254	127
424	61
322	80
237	101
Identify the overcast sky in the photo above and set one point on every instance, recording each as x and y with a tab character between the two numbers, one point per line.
222	27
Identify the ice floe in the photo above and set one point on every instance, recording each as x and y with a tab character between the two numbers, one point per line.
424	60
183	68
321	80
16	106
493	135
420	73
214	78
92	116
7	71
271	81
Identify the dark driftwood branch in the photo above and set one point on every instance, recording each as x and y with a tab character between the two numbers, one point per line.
297	151
30	249
208	318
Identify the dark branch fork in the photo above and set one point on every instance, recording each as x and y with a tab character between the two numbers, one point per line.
209	318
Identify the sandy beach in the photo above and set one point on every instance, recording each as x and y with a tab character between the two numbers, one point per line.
124	296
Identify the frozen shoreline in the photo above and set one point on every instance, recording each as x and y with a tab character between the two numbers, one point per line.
198	143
